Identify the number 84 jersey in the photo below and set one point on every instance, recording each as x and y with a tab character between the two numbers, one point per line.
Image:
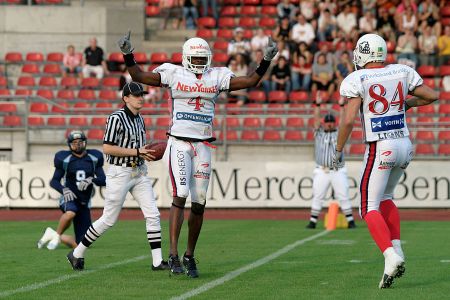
383	92
193	98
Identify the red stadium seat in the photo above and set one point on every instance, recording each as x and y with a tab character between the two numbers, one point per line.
267	23
226	34
427	71
233	122
116	57
273	122
254	108
220	58
390	46
311	122
90	82
423	121
276	108
95	134
152	11
35	57
270	2
226	22
3	81
277	96
23	92
424	149
152	67
65	94
69	82
47	94
36	121
297	108
148	122
251	2
444	136
30	69
298	96
271	135
104	107
13	57
269	11
56	121
206	22
251	122
295	122
425	136
112	82
231	135
357	135
426	109
55	57
39	107
140	57
86	94
160	135
310	136
249	10
26	81
390	58
357	149
205	33
444	96
444	121
257	96
444	109
445	11
177	58
53	69
293	135
220	46
107	95
250	135
229	11
47	81
61	107
429	82
149	108
247	22
159	58
8	108
5	92
78	121
444	149
163	122
12	121
232	2
444	70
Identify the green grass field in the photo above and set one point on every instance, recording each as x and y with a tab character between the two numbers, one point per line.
343	264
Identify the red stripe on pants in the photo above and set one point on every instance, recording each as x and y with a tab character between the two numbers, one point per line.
364	188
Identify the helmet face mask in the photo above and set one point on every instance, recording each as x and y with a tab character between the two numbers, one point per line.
77	141
369	48
196	55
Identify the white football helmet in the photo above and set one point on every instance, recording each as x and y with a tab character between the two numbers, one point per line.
196	47
369	48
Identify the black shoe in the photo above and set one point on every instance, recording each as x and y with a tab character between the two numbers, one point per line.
191	266
351	225
77	263
311	225
175	265
161	267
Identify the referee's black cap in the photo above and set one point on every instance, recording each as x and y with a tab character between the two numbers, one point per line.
329	118
133	88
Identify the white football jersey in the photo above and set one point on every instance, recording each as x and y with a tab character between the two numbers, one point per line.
383	92
193	98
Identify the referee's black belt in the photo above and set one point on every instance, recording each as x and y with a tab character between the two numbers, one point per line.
132	164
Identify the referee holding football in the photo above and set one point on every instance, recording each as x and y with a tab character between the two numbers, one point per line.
325	138
124	146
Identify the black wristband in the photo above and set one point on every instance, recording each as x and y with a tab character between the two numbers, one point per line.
137	152
341	105
262	68
129	59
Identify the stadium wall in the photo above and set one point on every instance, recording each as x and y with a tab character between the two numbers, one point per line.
50	29
235	184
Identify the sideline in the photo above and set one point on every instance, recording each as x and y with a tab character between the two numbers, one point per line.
40	285
235	273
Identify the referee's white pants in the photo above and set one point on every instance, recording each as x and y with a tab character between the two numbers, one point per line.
119	181
322	179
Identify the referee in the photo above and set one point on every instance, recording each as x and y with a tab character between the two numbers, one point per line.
325	138
124	146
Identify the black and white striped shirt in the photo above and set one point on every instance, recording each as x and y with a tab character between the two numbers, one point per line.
125	130
324	146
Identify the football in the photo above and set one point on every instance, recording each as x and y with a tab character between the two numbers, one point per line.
159	147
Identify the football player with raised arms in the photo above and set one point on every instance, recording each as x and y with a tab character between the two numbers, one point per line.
194	89
379	92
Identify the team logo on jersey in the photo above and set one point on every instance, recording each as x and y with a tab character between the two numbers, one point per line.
387	123
196	88
194	117
364	47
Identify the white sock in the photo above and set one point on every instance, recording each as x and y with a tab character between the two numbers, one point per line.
78	252
157	257
398	248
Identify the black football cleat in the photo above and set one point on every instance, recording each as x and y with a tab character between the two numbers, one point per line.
76	263
175	265
161	267
191	266
351	225
311	225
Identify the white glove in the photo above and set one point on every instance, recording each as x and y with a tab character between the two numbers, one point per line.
125	44
338	160
271	50
68	195
84	184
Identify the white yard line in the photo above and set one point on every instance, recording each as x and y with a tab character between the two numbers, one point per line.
235	273
40	285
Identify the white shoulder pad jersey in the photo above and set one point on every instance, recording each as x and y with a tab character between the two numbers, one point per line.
193	98
383	92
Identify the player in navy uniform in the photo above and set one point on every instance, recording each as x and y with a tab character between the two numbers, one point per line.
80	168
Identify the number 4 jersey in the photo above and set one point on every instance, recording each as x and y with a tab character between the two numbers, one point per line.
193	98
383	92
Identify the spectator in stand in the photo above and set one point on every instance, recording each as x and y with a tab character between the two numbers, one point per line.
407	48
283	50
72	62
326	26
307	8
429	16
407	20
301	73
343	68
213	5
171	9
325	50
322	75
387	5
283	32
238	44
444	46
303	49
428	47
386	25
281	76
259	41
328	4
239	67
257	56
303	31
286	9
190	14
405	5
369	5
341	47
367	23
346	22
93	61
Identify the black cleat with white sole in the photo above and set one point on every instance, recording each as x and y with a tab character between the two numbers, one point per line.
191	266
77	263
